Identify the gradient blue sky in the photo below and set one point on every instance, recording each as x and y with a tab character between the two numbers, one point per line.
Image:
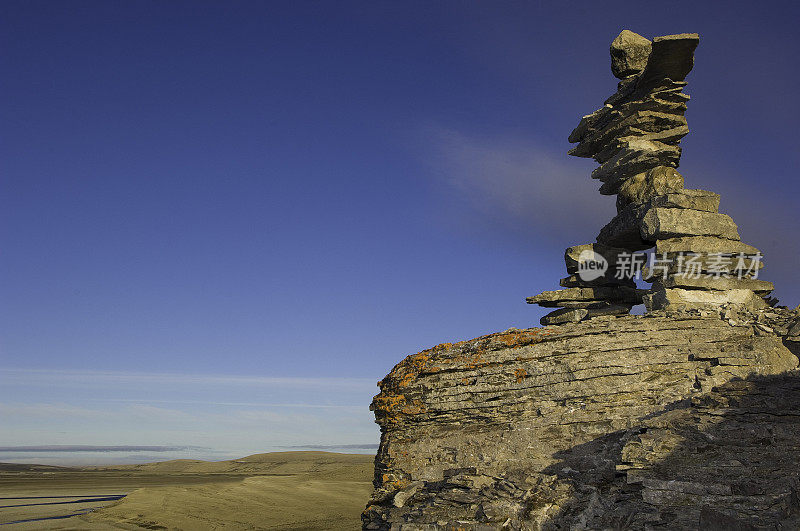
250	211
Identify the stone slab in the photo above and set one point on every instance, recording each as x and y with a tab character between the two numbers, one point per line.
675	298
564	315
703	244
559	298
711	283
690	199
672	57
575	315
663	223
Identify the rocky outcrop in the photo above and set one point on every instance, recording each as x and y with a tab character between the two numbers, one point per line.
676	421
687	417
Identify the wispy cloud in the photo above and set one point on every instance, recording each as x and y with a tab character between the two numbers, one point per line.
76	376
238	404
517	179
50	410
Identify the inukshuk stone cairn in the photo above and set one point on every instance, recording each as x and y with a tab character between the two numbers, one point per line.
698	260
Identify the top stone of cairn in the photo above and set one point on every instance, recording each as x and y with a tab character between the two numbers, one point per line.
629	54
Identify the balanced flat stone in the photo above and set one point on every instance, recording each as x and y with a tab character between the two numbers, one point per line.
702	200
672	57
564	315
704	244
677	298
590	296
574	315
762	287
663	223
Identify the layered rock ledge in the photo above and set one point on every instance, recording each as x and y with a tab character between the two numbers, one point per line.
664	421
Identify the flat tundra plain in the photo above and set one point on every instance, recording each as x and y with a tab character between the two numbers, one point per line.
280	490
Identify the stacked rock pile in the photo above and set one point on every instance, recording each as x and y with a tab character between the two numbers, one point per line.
698	259
592	287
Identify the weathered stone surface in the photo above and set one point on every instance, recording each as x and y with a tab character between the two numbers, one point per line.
692	199
574	315
588	122
677	215
564	315
672	57
627	124
631	422
679	298
704	244
722	461
629	53
640	126
664	223
761	287
586	297
652	183
635	155
685	418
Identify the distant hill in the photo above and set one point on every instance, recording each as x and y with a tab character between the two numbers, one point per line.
22	467
327	464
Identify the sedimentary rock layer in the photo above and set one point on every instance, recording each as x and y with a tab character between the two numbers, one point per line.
617	422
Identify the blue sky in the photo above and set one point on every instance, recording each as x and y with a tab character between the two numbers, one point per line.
270	204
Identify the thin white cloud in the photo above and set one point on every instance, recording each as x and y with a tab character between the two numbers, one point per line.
238	404
48	410
96	377
517	179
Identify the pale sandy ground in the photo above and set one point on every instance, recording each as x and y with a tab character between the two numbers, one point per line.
282	491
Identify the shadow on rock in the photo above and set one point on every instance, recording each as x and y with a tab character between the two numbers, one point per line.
727	459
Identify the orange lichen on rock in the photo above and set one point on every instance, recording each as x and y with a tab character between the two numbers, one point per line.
392	407
520	338
465	354
393	402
